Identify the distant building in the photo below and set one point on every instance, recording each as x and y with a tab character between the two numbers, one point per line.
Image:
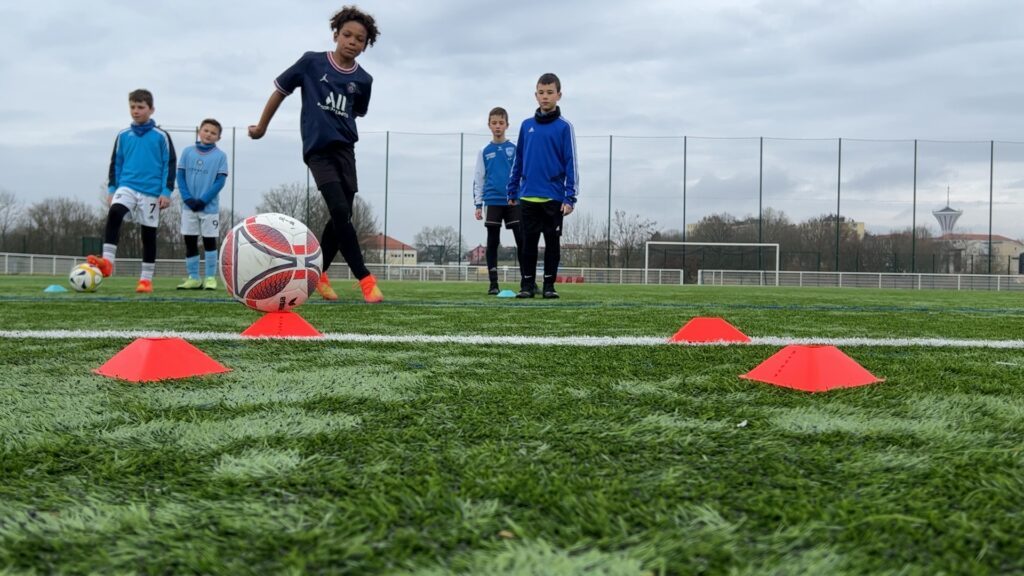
947	218
964	248
477	256
397	252
970	252
506	255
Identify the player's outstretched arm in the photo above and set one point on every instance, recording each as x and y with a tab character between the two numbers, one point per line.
258	130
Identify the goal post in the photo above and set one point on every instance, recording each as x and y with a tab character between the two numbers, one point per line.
721	246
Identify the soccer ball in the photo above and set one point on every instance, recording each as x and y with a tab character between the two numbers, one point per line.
270	262
85	278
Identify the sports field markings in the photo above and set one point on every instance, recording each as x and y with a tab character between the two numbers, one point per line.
486	340
492	302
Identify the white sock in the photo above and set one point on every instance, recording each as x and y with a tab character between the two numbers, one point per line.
110	252
147	271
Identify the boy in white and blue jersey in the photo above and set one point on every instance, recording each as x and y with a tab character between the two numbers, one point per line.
202	172
141	179
335	90
490	192
544	182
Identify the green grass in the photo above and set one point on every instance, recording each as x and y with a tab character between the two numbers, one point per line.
332	457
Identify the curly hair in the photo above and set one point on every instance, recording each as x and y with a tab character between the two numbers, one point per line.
354	14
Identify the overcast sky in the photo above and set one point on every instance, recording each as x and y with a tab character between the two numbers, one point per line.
647	72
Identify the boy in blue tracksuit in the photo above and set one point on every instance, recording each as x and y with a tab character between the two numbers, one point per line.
202	172
490	192
544	183
140	183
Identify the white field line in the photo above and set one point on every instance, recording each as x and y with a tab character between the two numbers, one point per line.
587	341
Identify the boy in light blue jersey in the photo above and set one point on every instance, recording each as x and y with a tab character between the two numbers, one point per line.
544	182
141	180
490	192
202	171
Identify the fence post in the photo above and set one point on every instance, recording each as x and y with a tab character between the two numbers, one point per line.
387	160
991	174
462	153
760	199
234	149
913	218
839	185
608	240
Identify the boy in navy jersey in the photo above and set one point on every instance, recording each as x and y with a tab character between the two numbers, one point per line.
335	90
490	192
140	183
202	171
544	183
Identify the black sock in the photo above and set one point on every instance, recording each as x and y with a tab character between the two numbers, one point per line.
115	216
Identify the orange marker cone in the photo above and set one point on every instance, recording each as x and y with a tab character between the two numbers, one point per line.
153	359
708	330
281	324
812	369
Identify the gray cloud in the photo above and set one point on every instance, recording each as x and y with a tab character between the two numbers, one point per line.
869	69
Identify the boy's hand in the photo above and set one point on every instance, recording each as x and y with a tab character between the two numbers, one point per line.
256	132
566	209
478	214
512	202
164	202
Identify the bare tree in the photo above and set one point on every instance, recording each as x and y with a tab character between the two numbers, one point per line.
581	229
630	232
295	200
364	220
169	241
583	239
10	215
307	206
60	225
440	244
714	228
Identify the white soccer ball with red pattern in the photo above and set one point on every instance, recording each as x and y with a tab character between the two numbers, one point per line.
271	262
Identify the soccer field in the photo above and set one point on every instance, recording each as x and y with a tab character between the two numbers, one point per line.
529	450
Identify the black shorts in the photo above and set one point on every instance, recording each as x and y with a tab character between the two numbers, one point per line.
336	163
542	217
495	214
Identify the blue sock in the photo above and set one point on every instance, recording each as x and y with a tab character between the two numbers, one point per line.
192	266
211	263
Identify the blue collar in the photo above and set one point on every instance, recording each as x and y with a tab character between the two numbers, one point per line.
205	147
141	129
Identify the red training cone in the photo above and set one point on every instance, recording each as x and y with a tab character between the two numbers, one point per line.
152	359
812	369
281	324
708	330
